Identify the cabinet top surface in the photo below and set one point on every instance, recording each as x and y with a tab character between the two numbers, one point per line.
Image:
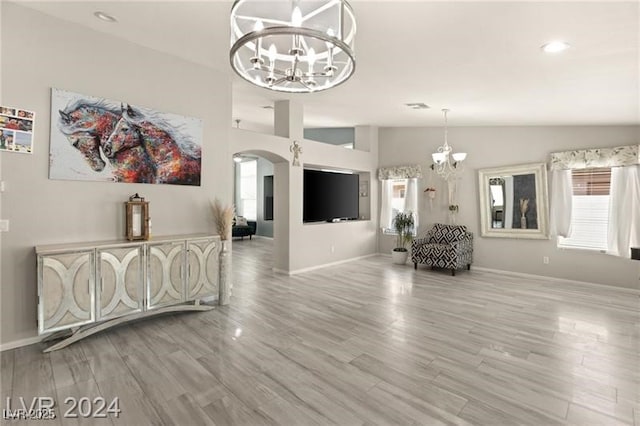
89	245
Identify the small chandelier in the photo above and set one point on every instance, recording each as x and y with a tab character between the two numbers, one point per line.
446	163
293	46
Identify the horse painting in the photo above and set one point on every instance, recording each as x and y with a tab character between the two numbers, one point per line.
129	158
85	125
88	127
122	144
174	163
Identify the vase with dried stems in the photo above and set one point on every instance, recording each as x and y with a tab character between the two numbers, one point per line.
223	219
524	206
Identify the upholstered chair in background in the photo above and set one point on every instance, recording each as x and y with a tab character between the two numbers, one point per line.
444	246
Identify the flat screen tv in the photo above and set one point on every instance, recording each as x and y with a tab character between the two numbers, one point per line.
329	196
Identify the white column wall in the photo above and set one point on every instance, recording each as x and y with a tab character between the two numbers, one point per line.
301	246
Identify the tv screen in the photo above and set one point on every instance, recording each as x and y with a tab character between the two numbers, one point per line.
329	195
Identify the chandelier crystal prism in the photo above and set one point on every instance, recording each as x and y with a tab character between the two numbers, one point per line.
293	46
446	163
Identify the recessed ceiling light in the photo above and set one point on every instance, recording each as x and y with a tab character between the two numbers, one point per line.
105	16
555	46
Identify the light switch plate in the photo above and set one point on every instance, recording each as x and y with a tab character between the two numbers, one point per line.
4	225
1	186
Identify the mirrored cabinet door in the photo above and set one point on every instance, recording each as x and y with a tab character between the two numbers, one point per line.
203	268
165	274
120	281
65	290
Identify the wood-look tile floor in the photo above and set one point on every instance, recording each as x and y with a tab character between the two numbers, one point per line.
366	342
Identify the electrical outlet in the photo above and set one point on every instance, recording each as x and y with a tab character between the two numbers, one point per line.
545	260
2	186
4	225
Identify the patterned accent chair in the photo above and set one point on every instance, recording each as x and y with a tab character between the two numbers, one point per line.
444	246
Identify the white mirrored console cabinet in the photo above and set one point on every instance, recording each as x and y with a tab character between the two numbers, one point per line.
88	287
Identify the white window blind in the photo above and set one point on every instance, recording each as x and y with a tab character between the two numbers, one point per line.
589	222
590	211
248	189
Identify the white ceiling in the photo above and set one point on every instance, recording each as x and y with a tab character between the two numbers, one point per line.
480	59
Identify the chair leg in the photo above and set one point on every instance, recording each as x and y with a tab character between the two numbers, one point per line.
468	266
415	265
453	272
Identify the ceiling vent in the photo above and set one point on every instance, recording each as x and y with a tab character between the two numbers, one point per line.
418	105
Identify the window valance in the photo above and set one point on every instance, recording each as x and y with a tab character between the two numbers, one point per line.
400	172
619	156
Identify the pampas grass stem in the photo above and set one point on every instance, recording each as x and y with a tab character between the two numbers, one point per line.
223	218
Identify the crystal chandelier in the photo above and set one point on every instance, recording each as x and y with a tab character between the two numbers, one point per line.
446	163
293	46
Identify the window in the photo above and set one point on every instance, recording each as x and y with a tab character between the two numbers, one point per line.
590	211
248	189
398	192
398	200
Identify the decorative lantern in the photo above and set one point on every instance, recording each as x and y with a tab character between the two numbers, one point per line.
137	218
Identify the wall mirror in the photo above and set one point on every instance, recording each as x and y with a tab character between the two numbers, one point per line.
514	202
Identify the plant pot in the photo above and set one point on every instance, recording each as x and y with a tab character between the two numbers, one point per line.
399	257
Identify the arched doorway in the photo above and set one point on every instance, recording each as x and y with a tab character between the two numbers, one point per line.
280	200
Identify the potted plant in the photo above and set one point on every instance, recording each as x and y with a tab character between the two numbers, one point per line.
403	224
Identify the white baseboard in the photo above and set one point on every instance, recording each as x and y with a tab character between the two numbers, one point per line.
19	343
564	280
324	265
263	237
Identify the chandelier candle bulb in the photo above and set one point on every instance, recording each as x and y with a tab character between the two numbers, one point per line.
296	17
273	52
311	58
296	21
257	59
329	68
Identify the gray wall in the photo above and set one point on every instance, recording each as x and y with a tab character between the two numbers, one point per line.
331	135
503	146
265	227
40	52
